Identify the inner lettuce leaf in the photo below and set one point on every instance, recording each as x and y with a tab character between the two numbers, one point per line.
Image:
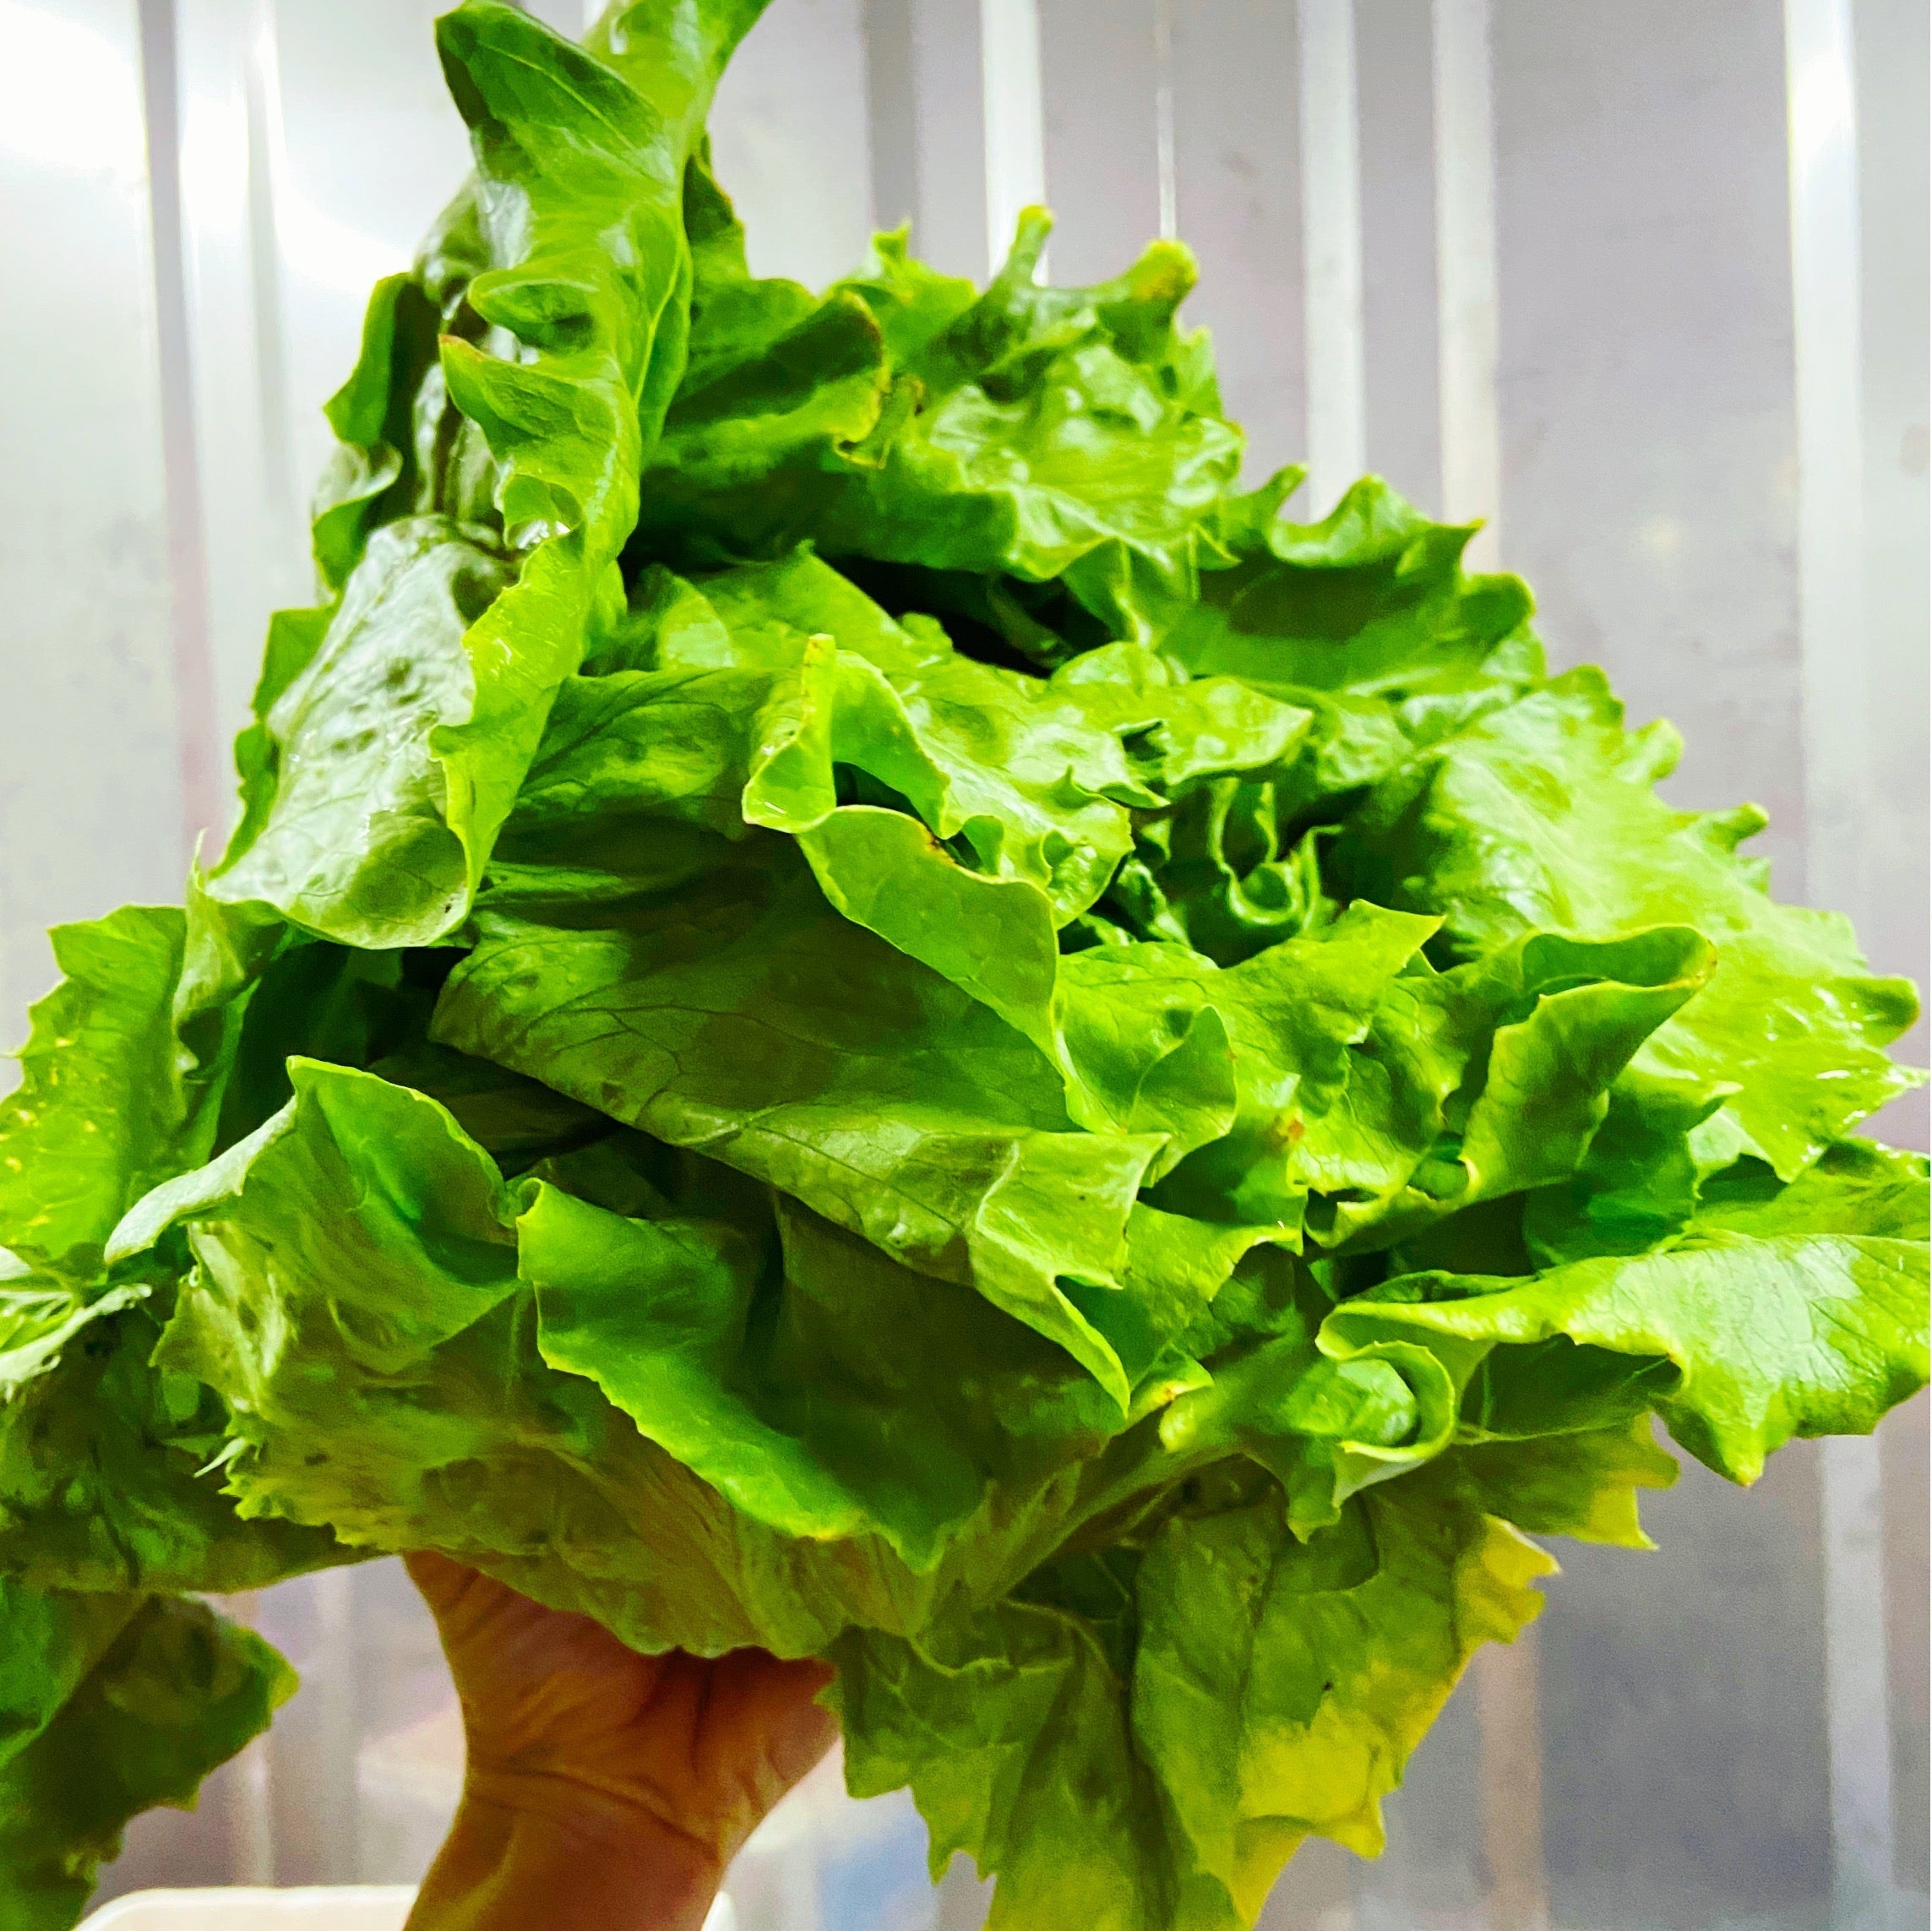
1043	436
1480	831
854	1006
737	1014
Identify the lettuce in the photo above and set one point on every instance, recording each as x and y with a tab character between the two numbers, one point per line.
856	1007
110	1703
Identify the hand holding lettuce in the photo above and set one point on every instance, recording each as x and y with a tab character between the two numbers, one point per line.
857	1010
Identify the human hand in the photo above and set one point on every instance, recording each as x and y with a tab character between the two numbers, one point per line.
602	1788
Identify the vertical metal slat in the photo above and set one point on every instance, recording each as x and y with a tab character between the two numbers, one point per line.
262	92
246	1786
1469	301
1015	132
1827	319
187	555
1164	119
1331	250
890	76
1509	1715
1467	292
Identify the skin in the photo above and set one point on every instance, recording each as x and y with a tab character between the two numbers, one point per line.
603	1790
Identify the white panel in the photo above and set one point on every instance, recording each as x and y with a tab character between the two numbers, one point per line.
256	546
949	222
892	110
1467	298
1650	478
1826	315
566	16
1101	71
1828	334
788	136
372	150
204	768
1167	181
244	1788
1894	194
91	788
1895	923
1237	198
1331	250
1015	129
1905	1441
1858	1703
1508	1682
1398	246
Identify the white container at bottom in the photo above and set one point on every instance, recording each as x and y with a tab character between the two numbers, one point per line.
335	1908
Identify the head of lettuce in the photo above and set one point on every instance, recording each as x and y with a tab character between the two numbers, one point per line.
856	1009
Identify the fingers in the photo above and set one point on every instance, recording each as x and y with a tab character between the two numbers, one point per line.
441	1581
708	1743
464	1601
774	1686
765	1712
798	1744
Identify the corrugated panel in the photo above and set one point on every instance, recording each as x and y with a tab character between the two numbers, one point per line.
1642	389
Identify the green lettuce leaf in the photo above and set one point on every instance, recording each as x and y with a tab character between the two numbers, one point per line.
359	817
1144	1736
355	1283
1046	435
103	1482
387	762
963	812
1583	1484
737	1014
1540	817
1374	1095
377	473
635	1312
109	1704
100	1114
718	1368
1798	1311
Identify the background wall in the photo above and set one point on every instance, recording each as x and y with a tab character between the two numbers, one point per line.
1534	261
